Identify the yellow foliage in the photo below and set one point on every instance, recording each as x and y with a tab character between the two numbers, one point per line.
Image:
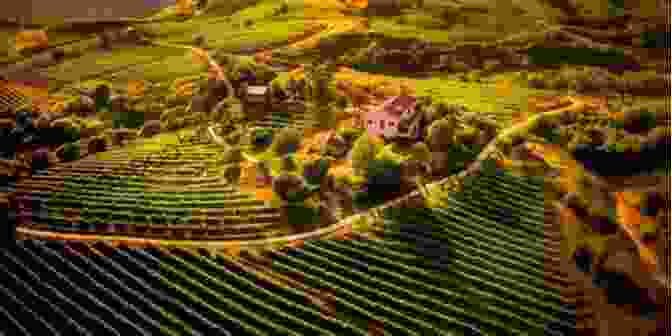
183	87
632	199
57	106
233	249
504	88
341	170
184	7
630	219
505	163
248	176
360	4
136	88
264	194
297	74
199	56
31	39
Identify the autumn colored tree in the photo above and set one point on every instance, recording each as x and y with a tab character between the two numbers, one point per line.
184	7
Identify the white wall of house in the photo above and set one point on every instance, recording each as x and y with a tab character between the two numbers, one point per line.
381	123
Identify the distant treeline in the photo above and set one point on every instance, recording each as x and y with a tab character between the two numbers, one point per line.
575	56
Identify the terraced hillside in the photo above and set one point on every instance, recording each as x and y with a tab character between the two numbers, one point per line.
297	119
146	193
10	98
434	272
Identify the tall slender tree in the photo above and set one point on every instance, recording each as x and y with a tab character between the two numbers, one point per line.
321	96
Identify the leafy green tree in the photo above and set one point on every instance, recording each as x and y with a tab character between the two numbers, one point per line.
71	151
261	137
320	94
384	175
442	134
350	134
290	187
288	163
283	9
315	171
420	152
363	151
388	153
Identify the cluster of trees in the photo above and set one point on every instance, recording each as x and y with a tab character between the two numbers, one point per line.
637	138
598	80
27	132
385	169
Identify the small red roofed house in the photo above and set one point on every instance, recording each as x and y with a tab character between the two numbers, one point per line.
383	121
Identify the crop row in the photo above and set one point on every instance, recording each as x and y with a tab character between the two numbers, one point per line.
212	209
476	280
122	222
133	182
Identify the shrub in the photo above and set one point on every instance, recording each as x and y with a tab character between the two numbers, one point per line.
441	134
261	137
350	134
130	119
467	135
324	115
536	81
443	109
450	15
71	134
490	65
315	171
287	141
655	39
102	96
233	155
288	187
288	163
283	9
249	23
420	152
342	102
639	119
474	76
71	151
364	199
558	83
